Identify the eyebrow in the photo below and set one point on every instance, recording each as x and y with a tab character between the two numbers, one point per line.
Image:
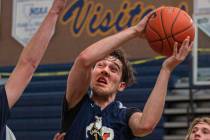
206	128
117	65
195	128
113	61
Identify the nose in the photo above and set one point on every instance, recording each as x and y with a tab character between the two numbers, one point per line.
105	71
197	134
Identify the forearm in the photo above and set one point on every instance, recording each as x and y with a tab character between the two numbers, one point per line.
105	46
144	123
29	59
154	107
39	43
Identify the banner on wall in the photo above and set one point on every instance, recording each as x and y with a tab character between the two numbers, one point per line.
81	23
201	7
202	15
27	17
201	51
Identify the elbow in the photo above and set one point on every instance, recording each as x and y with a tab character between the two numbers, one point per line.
143	130
83	60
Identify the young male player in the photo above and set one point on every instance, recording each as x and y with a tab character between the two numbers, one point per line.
103	69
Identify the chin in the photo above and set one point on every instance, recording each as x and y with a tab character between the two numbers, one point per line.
98	91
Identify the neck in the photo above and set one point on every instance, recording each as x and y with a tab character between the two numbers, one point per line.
103	101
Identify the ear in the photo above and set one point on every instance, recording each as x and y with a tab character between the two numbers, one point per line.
122	86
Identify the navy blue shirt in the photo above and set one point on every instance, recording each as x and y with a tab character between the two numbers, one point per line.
87	121
4	112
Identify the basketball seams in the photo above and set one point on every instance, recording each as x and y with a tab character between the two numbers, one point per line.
157	34
153	30
173	35
174	23
181	32
159	48
166	38
164	30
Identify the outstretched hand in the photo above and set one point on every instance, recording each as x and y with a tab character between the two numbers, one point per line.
58	6
178	55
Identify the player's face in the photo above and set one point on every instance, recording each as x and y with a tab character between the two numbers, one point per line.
200	131
106	77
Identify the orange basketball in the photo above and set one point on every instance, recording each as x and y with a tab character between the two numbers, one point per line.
167	25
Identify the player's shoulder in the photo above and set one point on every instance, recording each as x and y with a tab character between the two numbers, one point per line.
120	105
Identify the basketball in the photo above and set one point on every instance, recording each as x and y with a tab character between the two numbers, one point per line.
166	26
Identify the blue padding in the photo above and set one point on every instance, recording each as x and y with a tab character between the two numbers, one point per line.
41	99
26	124
157	134
47	86
35	135
30	112
133	95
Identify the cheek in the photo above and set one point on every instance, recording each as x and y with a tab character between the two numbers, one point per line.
208	136
116	78
191	136
94	73
92	78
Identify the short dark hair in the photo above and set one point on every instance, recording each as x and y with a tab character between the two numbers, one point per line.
128	75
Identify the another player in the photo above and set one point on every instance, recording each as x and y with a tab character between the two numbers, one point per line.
199	129
28	62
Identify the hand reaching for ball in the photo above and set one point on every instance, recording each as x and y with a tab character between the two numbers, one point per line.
178	55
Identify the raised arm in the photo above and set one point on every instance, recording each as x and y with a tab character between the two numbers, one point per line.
79	76
32	54
143	123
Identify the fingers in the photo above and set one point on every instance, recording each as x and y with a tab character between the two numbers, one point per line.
59	136
56	135
175	51
63	134
190	47
179	55
186	41
141	26
150	14
186	47
58	6
146	18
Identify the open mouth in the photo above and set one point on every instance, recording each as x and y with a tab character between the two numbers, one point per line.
102	80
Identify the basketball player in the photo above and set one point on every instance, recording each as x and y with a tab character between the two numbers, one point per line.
102	67
199	129
28	62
